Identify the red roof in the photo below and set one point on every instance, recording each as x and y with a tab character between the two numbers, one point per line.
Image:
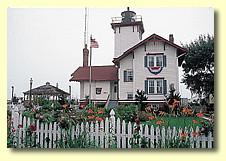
152	38
99	73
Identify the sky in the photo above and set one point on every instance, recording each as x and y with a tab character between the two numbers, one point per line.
46	44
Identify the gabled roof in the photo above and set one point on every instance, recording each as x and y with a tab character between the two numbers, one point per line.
153	38
47	90
99	73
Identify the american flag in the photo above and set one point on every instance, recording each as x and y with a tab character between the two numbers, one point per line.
94	43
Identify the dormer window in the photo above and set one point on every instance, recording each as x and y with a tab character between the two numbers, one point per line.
155	60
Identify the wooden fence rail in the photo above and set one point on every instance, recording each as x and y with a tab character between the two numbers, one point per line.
104	134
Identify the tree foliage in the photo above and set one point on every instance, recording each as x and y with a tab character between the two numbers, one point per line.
198	66
140	98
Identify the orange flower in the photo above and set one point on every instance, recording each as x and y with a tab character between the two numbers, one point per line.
65	105
175	101
200	114
100	119
185	109
149	107
91	117
151	118
161	112
100	111
194	121
195	133
182	134
159	123
189	111
171	106
82	106
90	111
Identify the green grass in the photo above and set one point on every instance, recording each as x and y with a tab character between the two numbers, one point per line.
175	121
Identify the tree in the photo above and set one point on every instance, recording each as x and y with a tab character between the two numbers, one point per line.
198	66
140	98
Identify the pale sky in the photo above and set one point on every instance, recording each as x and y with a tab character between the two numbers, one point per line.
46	44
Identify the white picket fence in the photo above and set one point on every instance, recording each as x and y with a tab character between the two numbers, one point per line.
106	133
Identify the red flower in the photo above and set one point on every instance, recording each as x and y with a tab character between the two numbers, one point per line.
32	128
100	111
158	122
200	114
151	118
149	107
194	121
138	122
19	126
183	135
64	105
195	133
90	111
91	117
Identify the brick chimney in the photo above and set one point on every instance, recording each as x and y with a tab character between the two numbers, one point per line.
85	56
171	39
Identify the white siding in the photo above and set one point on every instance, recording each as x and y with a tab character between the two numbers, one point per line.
125	87
105	85
141	73
125	39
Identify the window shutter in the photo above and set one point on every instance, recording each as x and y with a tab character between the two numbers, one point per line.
125	76
165	87
164	60
146	86
145	61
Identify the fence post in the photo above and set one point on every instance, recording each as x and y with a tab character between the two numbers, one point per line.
112	126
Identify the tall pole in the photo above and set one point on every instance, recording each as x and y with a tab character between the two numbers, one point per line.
90	72
12	92
31	81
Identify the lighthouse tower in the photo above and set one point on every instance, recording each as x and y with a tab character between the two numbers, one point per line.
128	31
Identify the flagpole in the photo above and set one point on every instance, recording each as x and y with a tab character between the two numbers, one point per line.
90	58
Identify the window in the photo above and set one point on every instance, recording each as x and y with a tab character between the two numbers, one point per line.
151	61
155	86
128	75
115	87
129	96
158	60
98	90
151	88
159	86
155	107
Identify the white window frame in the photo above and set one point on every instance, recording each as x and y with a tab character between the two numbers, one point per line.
129	75
151	86
156	87
159	88
155	58
155	107
129	97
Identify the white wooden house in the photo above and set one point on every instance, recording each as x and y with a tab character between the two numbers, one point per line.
150	65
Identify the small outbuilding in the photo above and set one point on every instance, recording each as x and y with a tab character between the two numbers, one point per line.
53	92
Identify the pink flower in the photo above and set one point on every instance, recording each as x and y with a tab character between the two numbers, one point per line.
72	116
203	129
33	109
36	115
62	118
13	130
211	121
58	124
41	117
61	110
